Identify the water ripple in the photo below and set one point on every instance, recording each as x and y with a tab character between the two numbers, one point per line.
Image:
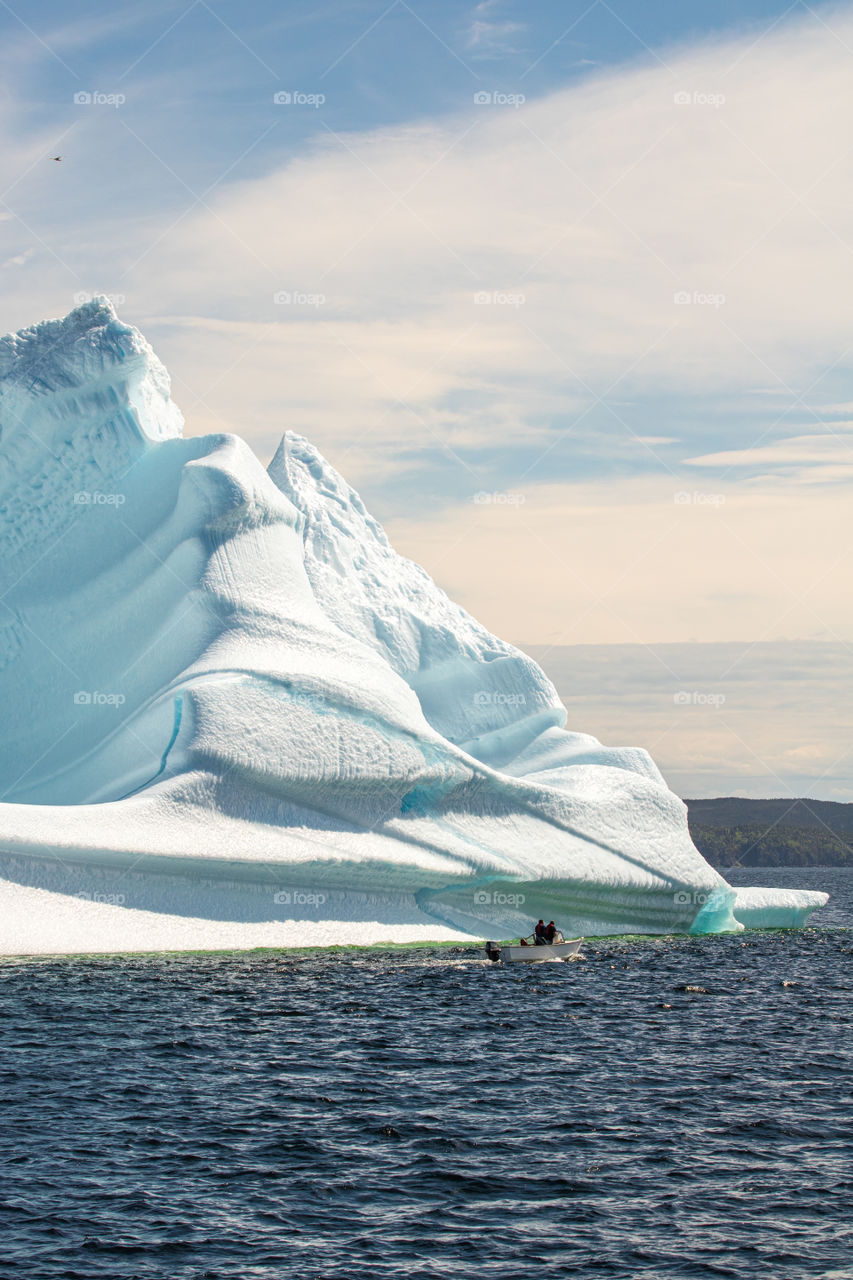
670	1108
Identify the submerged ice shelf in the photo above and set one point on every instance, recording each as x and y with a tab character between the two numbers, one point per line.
224	688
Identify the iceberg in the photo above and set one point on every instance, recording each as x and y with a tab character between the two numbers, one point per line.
235	716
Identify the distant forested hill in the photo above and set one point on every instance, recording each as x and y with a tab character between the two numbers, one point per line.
772	833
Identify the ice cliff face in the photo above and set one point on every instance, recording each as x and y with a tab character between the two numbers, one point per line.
231	674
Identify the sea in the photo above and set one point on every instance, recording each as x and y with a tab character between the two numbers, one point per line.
670	1107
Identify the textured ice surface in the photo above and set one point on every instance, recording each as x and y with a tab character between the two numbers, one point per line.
776	908
217	675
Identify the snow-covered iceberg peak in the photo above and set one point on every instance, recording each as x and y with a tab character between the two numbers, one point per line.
392	602
228	698
80	400
476	690
59	371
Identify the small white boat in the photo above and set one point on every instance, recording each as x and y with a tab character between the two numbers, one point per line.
531	954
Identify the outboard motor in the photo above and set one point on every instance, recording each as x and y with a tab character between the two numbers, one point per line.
493	951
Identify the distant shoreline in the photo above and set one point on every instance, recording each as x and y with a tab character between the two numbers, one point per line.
730	831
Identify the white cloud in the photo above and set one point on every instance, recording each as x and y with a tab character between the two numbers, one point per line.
645	561
17	259
493	39
489	36
817	458
830	409
597	204
580	216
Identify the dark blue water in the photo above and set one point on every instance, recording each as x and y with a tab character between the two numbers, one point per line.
667	1108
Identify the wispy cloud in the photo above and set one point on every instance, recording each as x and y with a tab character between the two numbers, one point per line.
610	239
17	259
720	719
611	285
811	459
489	35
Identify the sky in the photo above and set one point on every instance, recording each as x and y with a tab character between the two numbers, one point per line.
758	719
563	289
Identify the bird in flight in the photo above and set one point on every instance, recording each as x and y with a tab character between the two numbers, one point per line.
57	157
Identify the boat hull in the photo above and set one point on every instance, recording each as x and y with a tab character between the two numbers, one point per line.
536	955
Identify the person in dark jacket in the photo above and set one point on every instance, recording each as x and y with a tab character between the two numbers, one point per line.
539	934
550	932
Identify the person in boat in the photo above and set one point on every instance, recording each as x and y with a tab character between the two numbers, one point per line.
550	932
540	934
